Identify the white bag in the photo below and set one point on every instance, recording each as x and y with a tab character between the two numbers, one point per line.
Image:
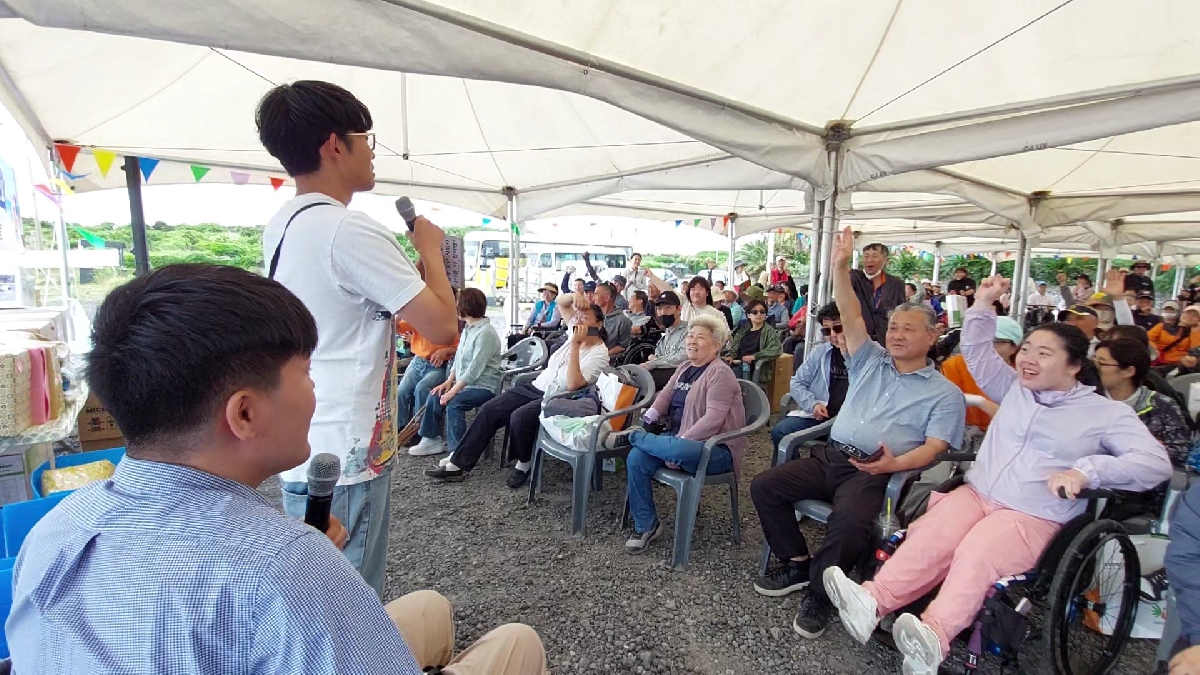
956	307
1193	398
574	432
1151	616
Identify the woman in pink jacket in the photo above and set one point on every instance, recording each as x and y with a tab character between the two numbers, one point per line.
1051	433
701	400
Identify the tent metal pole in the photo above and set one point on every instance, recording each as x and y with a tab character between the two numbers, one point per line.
814	279
514	260
732	249
137	217
993	272
854	258
770	248
937	262
1022	273
830	226
1180	273
1017	285
1100	270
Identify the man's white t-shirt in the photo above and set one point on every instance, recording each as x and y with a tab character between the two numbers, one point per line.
1041	300
592	360
351	273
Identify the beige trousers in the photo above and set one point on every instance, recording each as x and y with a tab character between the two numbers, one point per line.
426	622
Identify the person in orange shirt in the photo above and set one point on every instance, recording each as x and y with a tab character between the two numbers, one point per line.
1178	333
1008	338
426	371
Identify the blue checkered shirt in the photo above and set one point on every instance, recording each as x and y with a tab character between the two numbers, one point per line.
167	569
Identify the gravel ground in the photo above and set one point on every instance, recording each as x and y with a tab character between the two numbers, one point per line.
597	609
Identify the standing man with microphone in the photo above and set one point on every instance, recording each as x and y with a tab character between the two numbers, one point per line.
351	273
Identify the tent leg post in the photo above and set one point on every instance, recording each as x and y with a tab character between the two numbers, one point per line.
514	260
814	279
137	217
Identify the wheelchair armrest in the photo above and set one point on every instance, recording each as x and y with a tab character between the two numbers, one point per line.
806	436
956	457
896	485
1088	494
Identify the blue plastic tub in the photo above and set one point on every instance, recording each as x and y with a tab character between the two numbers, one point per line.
19	519
113	455
6	600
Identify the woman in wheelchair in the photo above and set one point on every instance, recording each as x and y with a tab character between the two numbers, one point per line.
1052	434
699	402
640	312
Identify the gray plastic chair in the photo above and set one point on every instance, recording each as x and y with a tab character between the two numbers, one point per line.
527	356
688	487
1183	383
585	466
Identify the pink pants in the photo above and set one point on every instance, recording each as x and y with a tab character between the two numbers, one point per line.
966	543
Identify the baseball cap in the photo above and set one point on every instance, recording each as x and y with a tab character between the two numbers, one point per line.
1099	300
1139	263
777	289
589	286
553	288
1041	283
739	263
1081	310
1008	329
1192	308
620	278
1171	304
1145	294
667	298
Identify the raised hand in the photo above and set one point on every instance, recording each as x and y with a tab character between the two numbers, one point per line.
843	247
990	290
1114	282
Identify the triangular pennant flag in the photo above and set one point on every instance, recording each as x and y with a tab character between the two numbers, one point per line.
239	178
66	187
147	165
1070	260
67	153
104	160
487	221
678	223
94	240
199	171
516	229
725	220
696	223
276	183
72	176
1166	267
712	223
47	193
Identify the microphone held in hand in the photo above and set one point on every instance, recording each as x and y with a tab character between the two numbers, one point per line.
407	211
323	472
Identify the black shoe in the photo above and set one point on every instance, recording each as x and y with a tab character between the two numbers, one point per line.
813	617
516	478
789	578
446	475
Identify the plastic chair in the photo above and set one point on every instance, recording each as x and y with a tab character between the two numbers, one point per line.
688	487
1183	384
527	356
113	455
19	519
585	469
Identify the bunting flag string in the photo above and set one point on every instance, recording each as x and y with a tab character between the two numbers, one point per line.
276	183
198	171
67	175
696	223
48	194
66	187
678	223
514	228
67	153
147	166
104	160
239	178
487	221
712	224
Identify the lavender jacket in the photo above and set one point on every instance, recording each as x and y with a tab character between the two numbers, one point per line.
1038	434
713	406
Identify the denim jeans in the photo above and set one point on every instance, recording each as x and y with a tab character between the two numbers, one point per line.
419	378
790	425
650	452
455	413
365	510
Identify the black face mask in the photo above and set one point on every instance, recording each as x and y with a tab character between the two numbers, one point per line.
667	320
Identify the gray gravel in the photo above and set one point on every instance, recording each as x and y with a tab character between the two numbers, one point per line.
597	609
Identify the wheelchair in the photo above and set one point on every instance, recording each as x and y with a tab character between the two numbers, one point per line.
1087	586
641	347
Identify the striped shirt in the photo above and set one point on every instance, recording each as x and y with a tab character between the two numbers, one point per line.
168	569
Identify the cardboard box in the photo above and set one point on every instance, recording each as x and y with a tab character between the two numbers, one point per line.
782	377
95	423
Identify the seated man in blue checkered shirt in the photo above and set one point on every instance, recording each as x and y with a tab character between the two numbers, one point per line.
176	564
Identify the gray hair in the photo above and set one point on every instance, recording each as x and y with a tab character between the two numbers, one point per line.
715	325
919	307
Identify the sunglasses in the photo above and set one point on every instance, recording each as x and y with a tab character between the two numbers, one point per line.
836	328
757	312
369	135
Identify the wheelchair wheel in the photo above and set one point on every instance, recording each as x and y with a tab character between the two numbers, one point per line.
1094	592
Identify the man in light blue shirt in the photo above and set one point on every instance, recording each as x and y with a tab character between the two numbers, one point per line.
899	413
176	564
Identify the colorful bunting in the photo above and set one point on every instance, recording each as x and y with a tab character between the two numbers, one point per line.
48	193
67	153
1070	260
239	178
95	241
147	165
276	183
104	160
1166	268
199	171
712	224
678	223
72	176
487	221
516	229
64	186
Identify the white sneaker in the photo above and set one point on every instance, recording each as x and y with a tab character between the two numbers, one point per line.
445	461
919	644
856	607
428	446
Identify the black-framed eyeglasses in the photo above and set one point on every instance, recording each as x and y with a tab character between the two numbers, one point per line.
1105	364
835	328
369	135
756	312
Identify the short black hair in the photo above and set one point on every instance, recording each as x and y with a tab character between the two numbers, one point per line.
911	285
1129	354
294	121
830	312
1135	333
961	269
170	347
755	303
875	247
612	290
472	303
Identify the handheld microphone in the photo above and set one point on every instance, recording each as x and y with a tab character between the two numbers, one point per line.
323	472
407	211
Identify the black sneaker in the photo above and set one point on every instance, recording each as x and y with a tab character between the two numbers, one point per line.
446	475
813	617
516	478
788	578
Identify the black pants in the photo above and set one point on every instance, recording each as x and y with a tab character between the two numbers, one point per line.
518	409
828	476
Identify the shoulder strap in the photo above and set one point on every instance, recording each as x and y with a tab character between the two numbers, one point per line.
279	246
1184	333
